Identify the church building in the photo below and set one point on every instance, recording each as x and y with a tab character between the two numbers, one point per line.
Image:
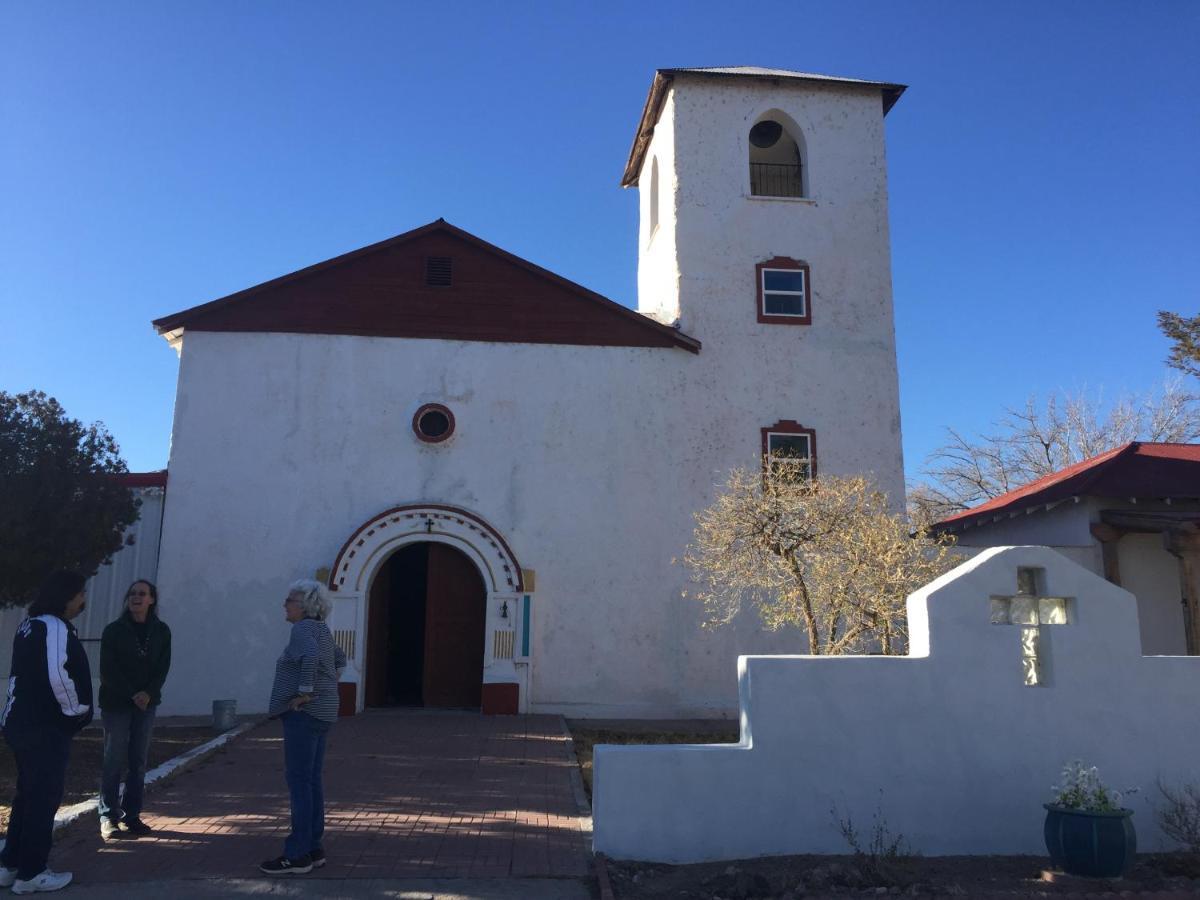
495	469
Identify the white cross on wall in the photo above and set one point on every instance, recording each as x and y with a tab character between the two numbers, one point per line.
1031	612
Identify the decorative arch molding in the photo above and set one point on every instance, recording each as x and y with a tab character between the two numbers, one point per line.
361	554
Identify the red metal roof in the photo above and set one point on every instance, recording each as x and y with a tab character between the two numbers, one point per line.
1138	469
142	479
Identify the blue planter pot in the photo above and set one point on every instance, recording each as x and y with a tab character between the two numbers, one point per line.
1093	844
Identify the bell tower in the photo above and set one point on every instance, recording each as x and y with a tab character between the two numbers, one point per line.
764	234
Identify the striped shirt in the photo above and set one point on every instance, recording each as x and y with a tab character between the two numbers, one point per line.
309	664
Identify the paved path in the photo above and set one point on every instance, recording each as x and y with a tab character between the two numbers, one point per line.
409	795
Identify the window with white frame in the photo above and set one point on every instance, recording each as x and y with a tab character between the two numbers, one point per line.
784	292
789	450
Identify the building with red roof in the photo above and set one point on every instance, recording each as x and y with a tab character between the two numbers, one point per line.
1131	514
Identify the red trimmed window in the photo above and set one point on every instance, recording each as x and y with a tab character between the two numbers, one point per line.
790	448
784	292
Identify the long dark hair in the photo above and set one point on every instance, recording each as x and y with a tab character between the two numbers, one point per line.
153	611
56	592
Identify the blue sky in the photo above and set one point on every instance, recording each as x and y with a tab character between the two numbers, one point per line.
1044	184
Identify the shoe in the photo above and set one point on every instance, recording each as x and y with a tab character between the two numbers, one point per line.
46	881
318	858
136	826
281	865
8	876
110	829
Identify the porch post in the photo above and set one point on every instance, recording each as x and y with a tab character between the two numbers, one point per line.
1186	546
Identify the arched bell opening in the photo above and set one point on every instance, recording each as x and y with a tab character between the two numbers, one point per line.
776	157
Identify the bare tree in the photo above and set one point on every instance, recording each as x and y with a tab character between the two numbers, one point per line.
1184	333
828	556
1041	438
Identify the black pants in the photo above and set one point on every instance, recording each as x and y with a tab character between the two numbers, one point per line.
41	773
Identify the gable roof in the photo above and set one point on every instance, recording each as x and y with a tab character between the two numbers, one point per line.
1139	469
381	291
663	78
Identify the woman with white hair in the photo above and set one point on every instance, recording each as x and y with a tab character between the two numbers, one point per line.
305	697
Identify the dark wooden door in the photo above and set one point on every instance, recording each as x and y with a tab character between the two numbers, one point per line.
455	607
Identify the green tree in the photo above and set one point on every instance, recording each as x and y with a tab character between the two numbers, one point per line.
1185	336
60	506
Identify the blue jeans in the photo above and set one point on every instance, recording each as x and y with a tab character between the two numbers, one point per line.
303	759
126	746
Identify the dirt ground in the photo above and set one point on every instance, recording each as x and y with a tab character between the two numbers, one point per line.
87	751
792	877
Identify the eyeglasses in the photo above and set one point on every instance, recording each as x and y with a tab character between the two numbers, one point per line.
138	594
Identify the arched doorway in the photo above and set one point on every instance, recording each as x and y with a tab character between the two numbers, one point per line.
426	616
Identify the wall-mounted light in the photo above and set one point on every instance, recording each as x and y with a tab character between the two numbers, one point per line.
504	609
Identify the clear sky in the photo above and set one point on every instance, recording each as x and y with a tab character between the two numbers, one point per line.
1044	170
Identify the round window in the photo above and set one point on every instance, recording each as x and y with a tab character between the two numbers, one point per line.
433	423
766	134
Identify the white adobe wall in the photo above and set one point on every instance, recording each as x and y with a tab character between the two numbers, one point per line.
1151	574
658	266
839	374
963	752
1147	570
590	461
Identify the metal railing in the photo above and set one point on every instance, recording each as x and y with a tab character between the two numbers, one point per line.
776	180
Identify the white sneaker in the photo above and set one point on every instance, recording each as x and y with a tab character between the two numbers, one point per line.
46	881
7	877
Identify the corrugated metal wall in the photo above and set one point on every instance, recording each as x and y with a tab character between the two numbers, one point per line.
106	589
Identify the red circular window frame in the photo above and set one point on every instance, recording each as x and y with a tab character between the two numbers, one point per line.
428	408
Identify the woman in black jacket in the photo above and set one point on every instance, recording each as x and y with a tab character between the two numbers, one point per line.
49	700
135	654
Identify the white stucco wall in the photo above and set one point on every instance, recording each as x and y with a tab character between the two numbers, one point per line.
1151	574
1146	569
963	752
589	462
658	264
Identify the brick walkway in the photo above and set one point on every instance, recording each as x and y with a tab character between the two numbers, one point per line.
409	794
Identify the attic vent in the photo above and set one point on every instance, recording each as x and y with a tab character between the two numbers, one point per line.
437	271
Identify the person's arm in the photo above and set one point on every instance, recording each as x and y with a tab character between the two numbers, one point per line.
339	661
62	685
162	665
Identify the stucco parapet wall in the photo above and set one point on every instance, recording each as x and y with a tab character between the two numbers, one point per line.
948	744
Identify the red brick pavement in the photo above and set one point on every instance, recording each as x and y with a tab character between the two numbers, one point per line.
408	794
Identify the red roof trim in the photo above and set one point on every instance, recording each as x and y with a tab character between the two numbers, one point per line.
142	479
1131	470
179	320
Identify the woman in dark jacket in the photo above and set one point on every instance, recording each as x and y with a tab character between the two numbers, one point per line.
135	655
49	700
